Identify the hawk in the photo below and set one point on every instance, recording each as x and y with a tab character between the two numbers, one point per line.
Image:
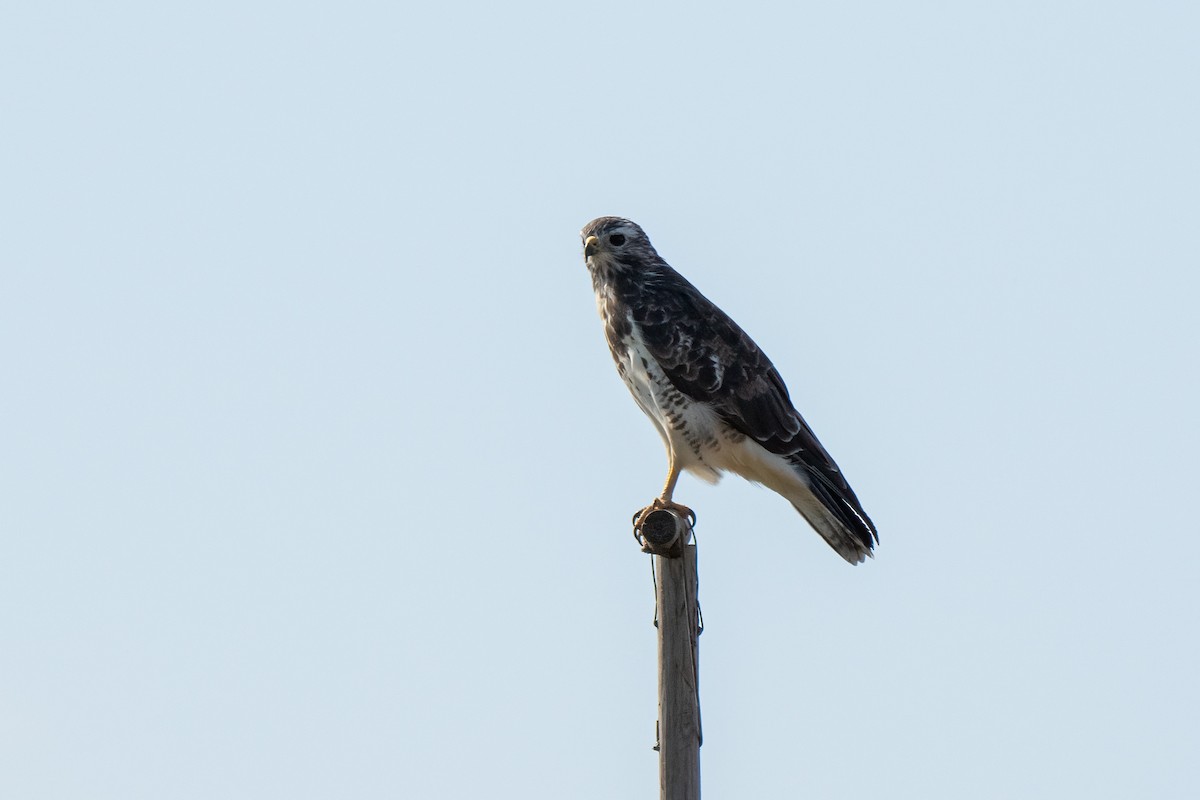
716	399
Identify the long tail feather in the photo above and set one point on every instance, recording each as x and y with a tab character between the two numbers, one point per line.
833	510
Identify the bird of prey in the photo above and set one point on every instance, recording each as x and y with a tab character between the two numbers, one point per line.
716	399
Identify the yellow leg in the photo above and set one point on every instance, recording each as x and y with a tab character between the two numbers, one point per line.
672	479
664	501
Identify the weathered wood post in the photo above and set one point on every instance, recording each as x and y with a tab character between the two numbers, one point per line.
665	534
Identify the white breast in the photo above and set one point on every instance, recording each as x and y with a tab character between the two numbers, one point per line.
692	432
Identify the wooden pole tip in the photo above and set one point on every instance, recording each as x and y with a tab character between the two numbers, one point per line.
663	532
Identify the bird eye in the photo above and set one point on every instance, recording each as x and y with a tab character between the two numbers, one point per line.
616	240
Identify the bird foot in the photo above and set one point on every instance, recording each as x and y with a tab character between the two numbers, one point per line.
664	505
656	535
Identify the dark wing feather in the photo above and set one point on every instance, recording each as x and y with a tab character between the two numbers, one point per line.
708	357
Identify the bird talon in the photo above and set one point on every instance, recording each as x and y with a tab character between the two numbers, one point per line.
665	505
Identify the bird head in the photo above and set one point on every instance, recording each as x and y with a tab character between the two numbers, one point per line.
614	243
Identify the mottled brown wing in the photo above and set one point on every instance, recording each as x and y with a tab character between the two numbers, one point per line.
708	357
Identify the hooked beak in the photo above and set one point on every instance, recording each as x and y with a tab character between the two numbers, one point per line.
590	246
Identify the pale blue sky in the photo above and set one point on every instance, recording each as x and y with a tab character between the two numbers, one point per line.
317	475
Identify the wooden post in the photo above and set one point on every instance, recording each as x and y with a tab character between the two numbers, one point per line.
666	535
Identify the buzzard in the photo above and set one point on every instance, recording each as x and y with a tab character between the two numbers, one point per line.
716	399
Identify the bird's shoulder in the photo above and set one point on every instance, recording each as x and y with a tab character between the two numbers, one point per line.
699	346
